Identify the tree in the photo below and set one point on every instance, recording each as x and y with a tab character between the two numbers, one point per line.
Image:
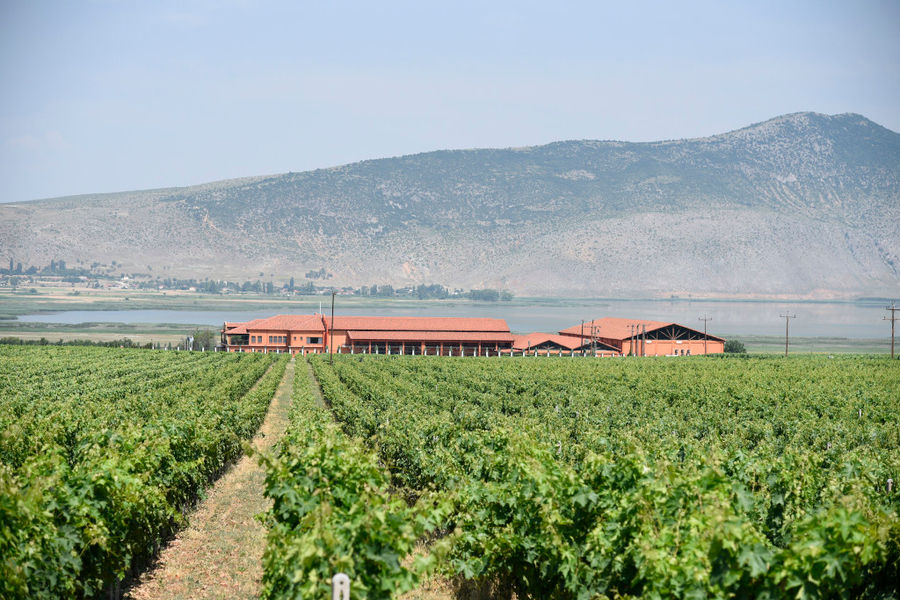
431	291
485	295
735	347
204	338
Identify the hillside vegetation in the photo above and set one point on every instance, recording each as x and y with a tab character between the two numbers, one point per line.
803	204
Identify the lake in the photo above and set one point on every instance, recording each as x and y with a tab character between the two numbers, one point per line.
814	319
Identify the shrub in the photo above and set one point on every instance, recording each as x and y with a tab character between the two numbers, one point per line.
735	347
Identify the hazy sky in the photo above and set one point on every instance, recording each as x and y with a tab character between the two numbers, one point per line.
118	95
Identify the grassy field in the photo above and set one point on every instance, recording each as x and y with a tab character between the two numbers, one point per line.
142	333
820	345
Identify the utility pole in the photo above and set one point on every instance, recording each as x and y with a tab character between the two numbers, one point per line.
704	318
787	323
892	319
331	337
582	337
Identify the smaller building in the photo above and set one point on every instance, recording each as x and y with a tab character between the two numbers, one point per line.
551	343
640	337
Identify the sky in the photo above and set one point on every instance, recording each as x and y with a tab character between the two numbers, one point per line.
114	95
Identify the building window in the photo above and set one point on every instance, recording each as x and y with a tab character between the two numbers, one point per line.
314	340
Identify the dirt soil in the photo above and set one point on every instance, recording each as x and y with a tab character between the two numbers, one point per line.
219	554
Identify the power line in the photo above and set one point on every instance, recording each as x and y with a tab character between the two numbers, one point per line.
595	337
787	323
892	319
331	337
704	318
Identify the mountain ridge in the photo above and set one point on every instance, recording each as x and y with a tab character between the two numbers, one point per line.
807	202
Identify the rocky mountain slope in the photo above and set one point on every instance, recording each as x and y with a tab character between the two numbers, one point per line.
800	205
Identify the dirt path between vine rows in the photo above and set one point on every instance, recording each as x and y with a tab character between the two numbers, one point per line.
219	554
314	385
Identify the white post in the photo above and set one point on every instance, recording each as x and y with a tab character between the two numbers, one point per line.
340	587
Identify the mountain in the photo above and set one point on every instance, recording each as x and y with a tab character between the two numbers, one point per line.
801	205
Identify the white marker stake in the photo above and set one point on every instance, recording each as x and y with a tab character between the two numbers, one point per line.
340	587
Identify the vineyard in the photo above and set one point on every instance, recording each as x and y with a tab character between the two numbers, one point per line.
103	450
562	478
570	478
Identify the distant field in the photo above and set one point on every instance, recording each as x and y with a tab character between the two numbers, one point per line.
97	332
823	345
57	298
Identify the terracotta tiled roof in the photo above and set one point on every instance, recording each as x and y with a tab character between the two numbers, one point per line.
238	328
417	324
524	342
282	323
488	337
373	324
530	340
615	328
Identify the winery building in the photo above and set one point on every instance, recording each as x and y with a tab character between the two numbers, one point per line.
556	344
639	337
443	336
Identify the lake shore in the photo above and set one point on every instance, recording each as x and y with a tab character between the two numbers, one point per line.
57	313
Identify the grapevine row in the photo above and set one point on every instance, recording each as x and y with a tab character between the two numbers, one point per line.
94	476
573	478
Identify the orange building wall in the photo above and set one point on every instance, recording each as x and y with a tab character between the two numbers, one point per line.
668	348
295	341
